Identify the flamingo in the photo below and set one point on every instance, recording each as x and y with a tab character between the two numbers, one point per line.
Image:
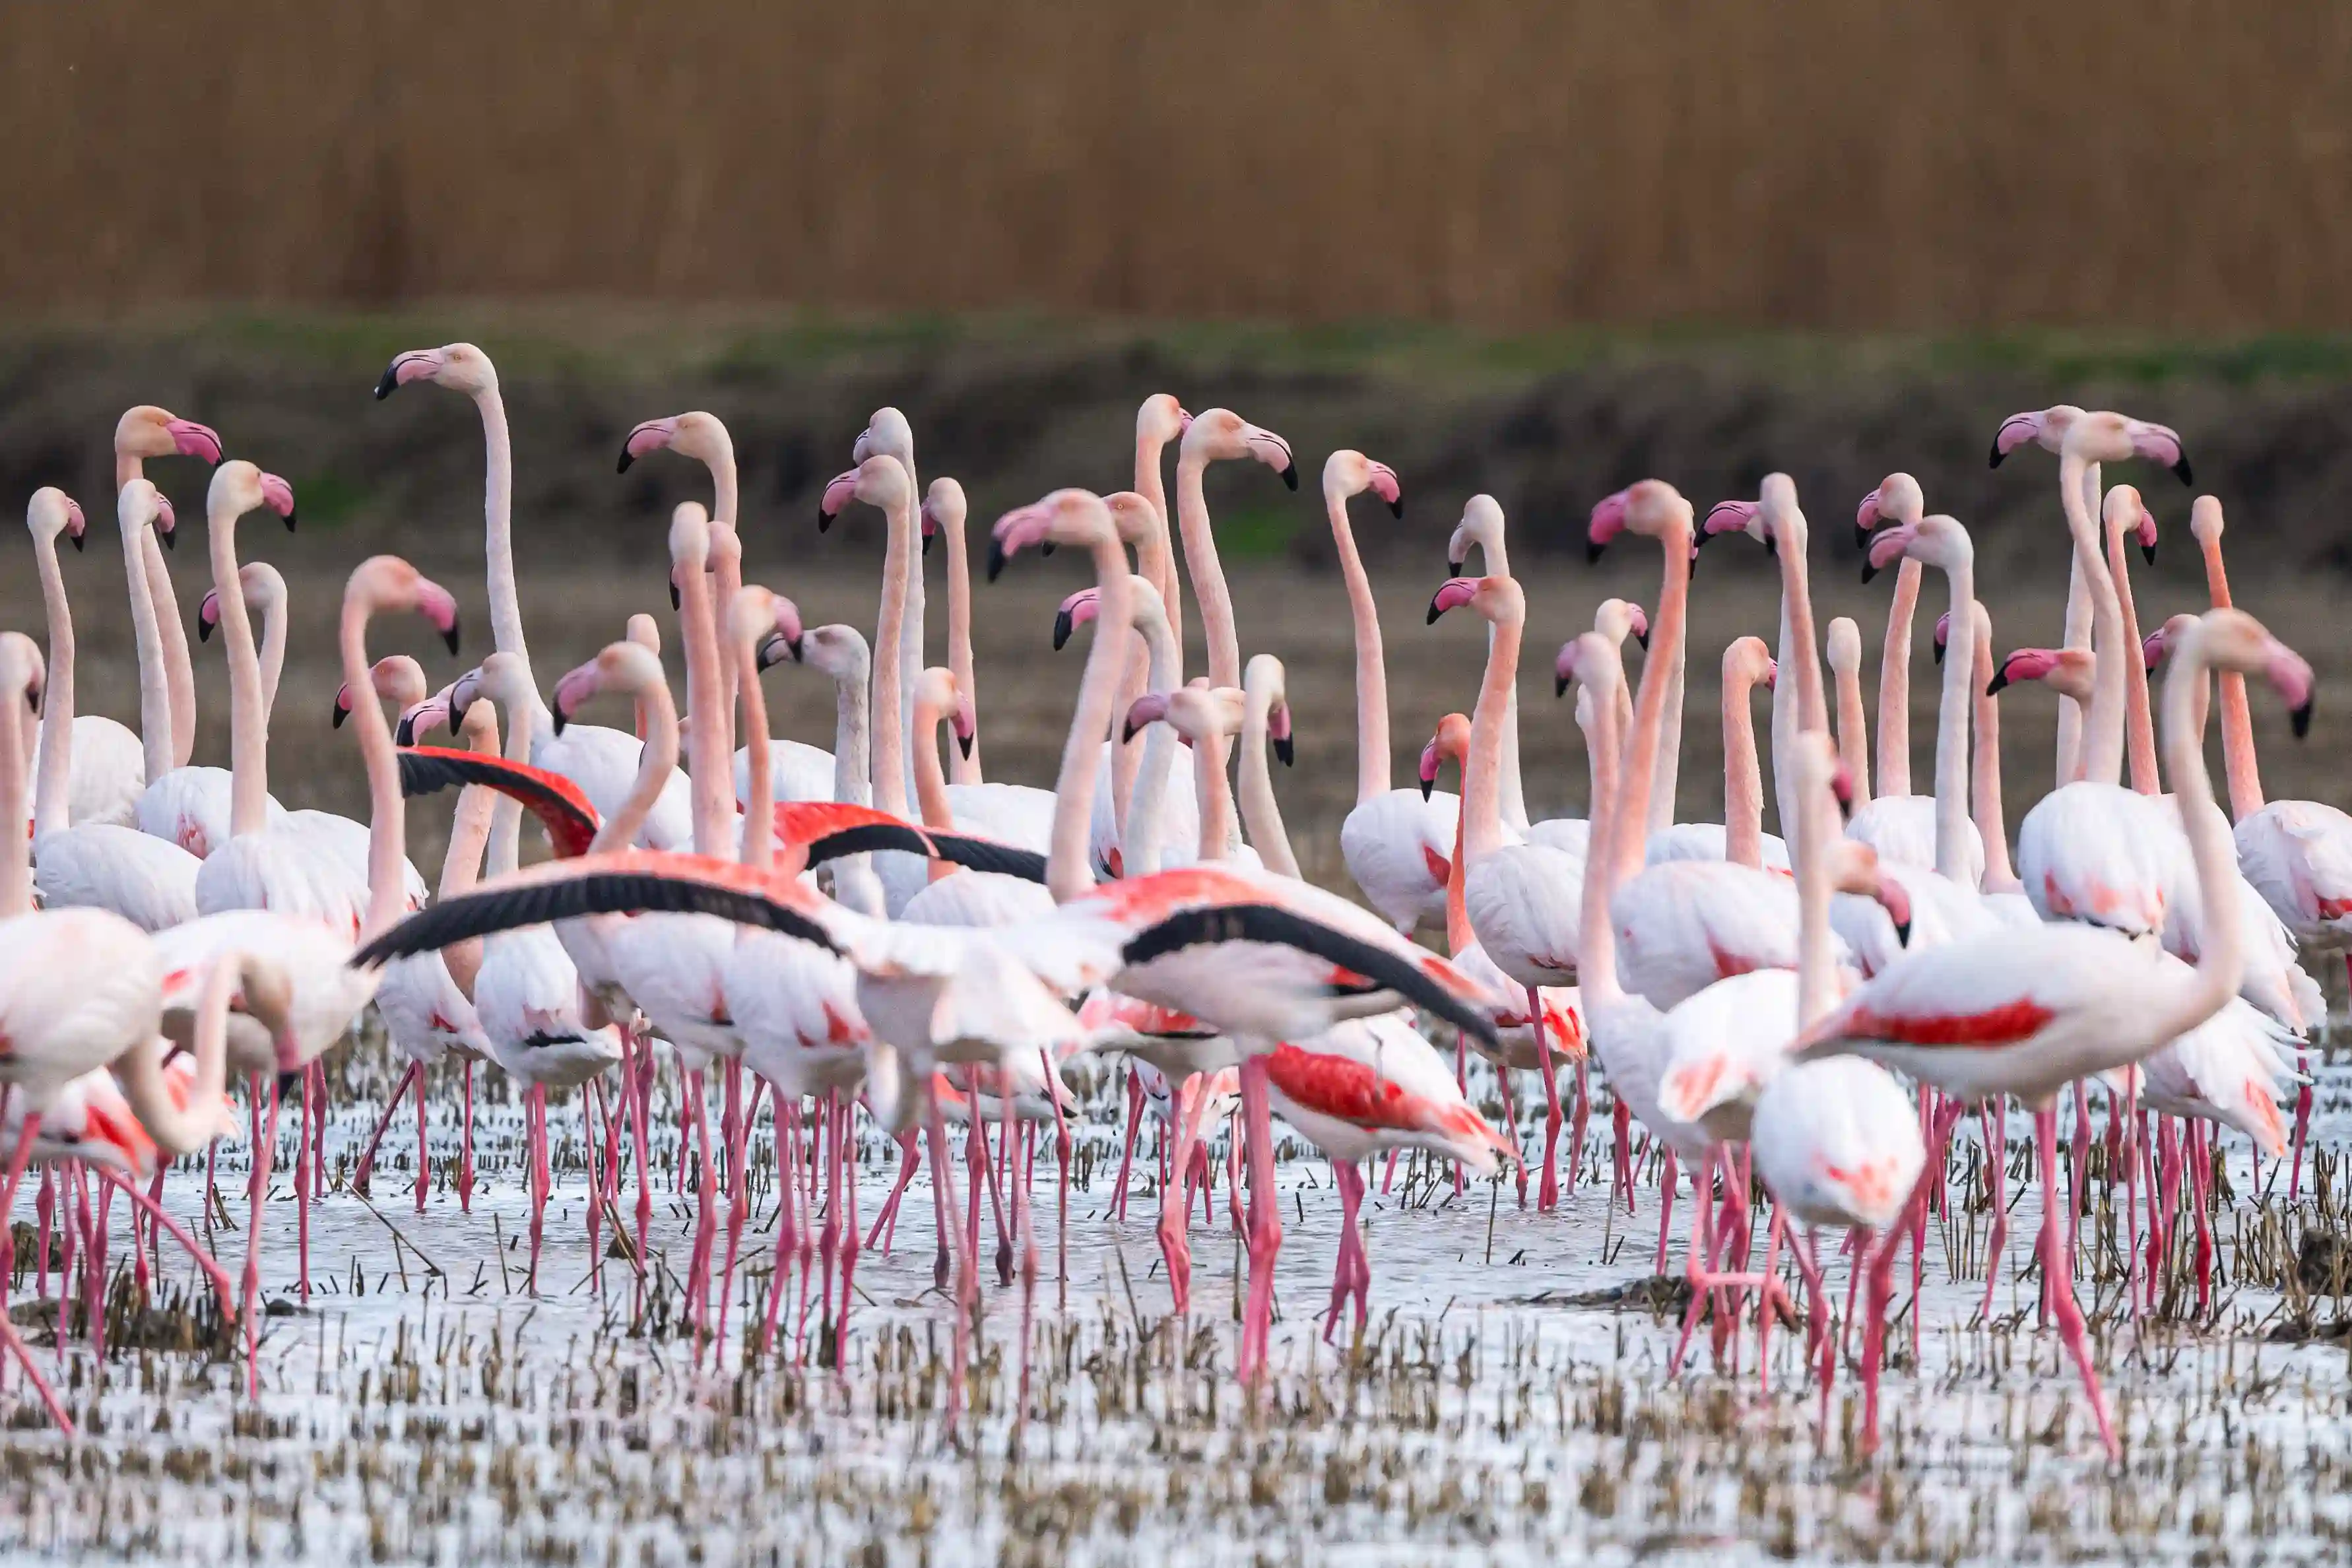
1518	897
143	432
2048	428
2023	1012
1482	525
109	767
1520	1042
263	588
1142	517
427	1002
92	865
1899	825
841	653
1395	841
603	761
1841	651
327	992
956	897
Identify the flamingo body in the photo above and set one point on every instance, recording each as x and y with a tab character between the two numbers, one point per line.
1399	847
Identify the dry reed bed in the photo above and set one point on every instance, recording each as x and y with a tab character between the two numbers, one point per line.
2177	164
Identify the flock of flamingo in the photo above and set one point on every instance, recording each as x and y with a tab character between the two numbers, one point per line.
870	927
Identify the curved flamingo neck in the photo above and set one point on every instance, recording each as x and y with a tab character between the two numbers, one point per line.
469	833
2103	727
1481	789
1208	574
2221	964
964	770
1743	777
759	802
1605	865
1214	786
853	777
182	1128
710	756
2140	720
1372	760
1952	715
727	580
1139	831
1495	561
1260	812
891	685
1895	683
273	654
1816	965
172	634
497	524
387	817
15	855
154	685
931	779
1985	764
2238	758
53	795
1068	874
248	716
1667	782
1458	934
1628	838
1853	734
654	765
505	818
1155	556
2071	716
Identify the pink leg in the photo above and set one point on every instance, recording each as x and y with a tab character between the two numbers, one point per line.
44	1213
1265	1218
1547	1188
2057	1274
265	1148
739	1196
1176	1198
1665	1209
589	1114
788	1119
1388	1172
846	1170
466	1148
1346	1178
886	1219
223	1288
302	1175
967	1270
1996	1122
408	1080
1621	1120
1576	1127
423	1157
1511	1116
1127	1150
1461	1082
535	1150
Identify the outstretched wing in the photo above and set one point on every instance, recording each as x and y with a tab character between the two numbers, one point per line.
557	802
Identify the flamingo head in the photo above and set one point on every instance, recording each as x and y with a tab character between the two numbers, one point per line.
695	434
1748	663
418	718
1069	516
2066	670
1735	517
1347	473
386	582
880	481
887	433
148	431
2045	428
1161	419
2233	640
460	367
22	668
2108	437
943	509
1076	611
1151	708
52	513
769	621
1843	646
1451	740
1220	433
2205	521
1482	525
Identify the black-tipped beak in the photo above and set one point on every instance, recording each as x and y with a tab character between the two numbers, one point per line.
627	457
1453	568
2183	471
1430	785
76	541
449	638
1558	689
676	598
1290	478
341	713
288	1082
289	520
1061	629
1903	932
1396	507
402	733
1593	549
1642	636
204	630
2300	720
1287	748
964	744
1940	653
823	519
388	382
1994	461
562	718
2000	680
2147	553
928	540
1861	538
1869	568
170	538
995	558
1046	549
1772	547
1433	613
1126	730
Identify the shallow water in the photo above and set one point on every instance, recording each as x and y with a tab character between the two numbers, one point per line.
427	1406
